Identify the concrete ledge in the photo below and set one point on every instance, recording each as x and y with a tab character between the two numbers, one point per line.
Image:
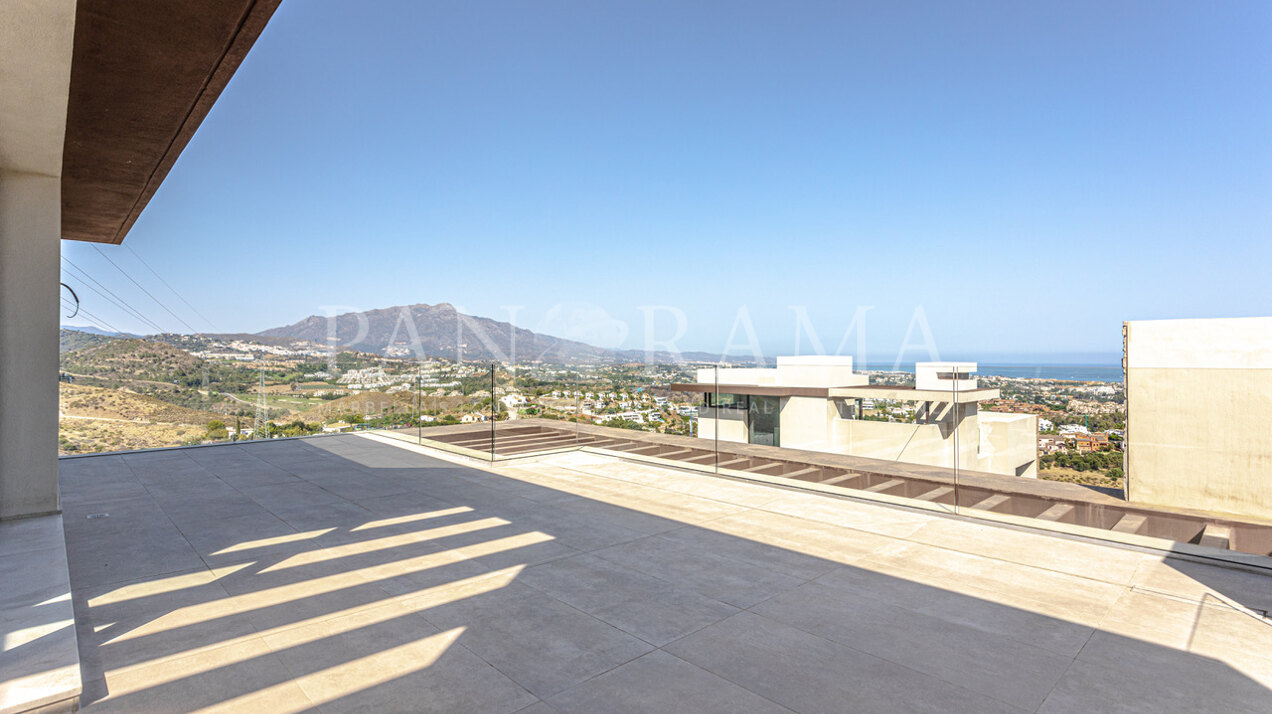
39	655
891	490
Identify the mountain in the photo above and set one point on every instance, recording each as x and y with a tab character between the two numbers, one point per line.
89	329
77	339
442	331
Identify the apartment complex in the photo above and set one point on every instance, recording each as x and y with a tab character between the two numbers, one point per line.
1198	395
819	403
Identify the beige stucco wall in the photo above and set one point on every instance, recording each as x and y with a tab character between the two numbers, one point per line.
1008	444
736	375
800	371
36	39
908	443
1002	443
818	371
805	423
1005	444
731	423
1199	399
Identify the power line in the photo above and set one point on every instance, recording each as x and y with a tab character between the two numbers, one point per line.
101	323
97	321
174	290
147	292
261	425
71	306
118	301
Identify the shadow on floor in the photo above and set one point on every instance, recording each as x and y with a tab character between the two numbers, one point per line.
350	574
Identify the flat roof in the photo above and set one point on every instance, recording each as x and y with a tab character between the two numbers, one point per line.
341	572
904	393
755	390
874	391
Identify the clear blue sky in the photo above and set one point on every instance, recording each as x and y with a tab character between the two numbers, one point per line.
1029	174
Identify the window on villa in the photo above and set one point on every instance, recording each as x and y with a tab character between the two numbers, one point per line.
726	401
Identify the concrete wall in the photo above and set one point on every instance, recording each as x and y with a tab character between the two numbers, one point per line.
927	375
737	375
802	371
1002	443
36	38
818	371
731	423
1008	443
929	444
805	423
907	443
1199	399
30	211
996	443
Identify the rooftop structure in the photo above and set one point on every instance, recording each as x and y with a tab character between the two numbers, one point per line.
819	403
355	572
1198	396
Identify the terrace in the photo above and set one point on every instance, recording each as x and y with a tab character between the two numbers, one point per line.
362	571
527	567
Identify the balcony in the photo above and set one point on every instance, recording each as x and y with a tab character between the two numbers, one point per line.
361	572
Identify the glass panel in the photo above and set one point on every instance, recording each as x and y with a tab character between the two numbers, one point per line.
727	401
533	411
763	423
715	415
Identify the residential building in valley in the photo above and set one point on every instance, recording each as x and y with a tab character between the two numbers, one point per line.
818	403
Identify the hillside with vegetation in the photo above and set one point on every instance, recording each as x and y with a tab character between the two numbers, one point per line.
160	370
133	359
126	392
77	400
71	340
368	405
79	436
99	419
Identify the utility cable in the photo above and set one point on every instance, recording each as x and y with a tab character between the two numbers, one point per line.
174	290
101	323
128	309
144	290
118	301
97	321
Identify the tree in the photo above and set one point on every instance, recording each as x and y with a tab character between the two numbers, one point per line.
217	430
619	423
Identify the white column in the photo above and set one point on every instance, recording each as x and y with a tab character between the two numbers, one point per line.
30	234
36	42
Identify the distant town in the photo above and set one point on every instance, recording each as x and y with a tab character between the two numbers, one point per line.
126	393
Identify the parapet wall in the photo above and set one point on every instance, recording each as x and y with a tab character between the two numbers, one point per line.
1199	399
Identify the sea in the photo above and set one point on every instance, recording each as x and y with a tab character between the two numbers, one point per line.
1070	372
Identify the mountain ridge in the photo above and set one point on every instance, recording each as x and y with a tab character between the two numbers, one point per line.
442	331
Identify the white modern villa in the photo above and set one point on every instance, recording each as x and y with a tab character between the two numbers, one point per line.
817	403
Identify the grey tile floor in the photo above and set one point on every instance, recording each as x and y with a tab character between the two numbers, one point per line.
345	573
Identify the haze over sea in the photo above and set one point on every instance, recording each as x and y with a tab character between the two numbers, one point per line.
1070	372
